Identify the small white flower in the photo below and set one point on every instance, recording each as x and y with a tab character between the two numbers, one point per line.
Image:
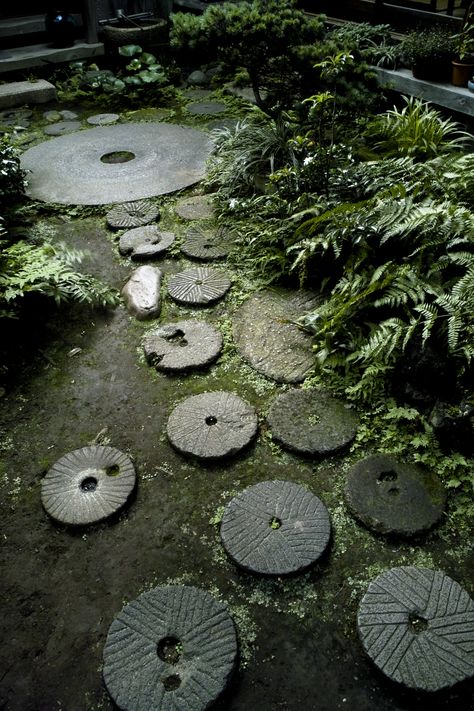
232	203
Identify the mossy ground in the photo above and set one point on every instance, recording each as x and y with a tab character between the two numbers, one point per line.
62	588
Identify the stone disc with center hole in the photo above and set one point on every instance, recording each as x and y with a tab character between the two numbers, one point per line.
201	285
198	207
145	242
182	346
311	422
69	169
204	244
103	119
88	485
206	108
62	127
275	528
132	214
391	497
417	626
212	425
174	648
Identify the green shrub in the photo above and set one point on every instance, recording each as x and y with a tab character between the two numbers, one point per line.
12	177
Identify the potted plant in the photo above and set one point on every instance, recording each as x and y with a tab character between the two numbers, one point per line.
463	62
428	52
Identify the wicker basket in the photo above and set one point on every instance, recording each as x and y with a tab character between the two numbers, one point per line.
152	31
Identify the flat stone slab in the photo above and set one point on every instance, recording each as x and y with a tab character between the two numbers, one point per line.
311	422
88	485
266	336
161	158
11	118
417	626
103	119
62	127
182	346
132	214
141	293
199	286
174	648
198	207
206	108
275	528
212	425
391	497
145	242
205	244
17	93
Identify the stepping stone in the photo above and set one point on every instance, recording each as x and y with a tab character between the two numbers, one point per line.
199	286
142	293
132	214
275	528
212	425
53	116
111	164
145	242
417	626
15	117
62	128
174	648
206	108
69	115
205	245
311	422
17	93
103	119
182	346
266	336
197	93
391	497
88	485
198	207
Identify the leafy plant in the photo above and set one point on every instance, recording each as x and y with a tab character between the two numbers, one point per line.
429	49
12	177
464	40
371	42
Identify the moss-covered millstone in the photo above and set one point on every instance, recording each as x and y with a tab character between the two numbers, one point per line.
275	528
206	244
61	128
182	346
146	242
199	286
391	497
267	337
132	214
88	485
211	426
174	648
417	626
197	207
311	422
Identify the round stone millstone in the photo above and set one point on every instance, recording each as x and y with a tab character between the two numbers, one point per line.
198	207
391	497
275	528
174	648
417	626
206	108
132	214
88	485
61	128
198	286
311	422
205	245
145	242
70	169
212	425
182	346
103	119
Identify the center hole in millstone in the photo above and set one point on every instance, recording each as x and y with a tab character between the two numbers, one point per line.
275	523
169	650
417	623
89	483
117	157
178	338
198	282
211	420
389	475
172	682
206	246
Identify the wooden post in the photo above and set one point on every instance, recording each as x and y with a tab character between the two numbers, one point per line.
90	20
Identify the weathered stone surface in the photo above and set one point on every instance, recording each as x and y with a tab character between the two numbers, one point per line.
311	422
61	128
275	528
17	93
145	242
212	425
197	78
417	626
132	214
391	497
174	648
229	123
197	93
199	286
15	117
69	115
207	108
182	346
198	207
88	485
267	337
69	169
206	244
142	293
103	119
52	116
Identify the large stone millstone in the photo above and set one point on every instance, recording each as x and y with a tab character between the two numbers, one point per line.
391	497
182	346
132	214
141	293
275	528
159	158
267	337
311	422
147	242
417	626
199	286
174	648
